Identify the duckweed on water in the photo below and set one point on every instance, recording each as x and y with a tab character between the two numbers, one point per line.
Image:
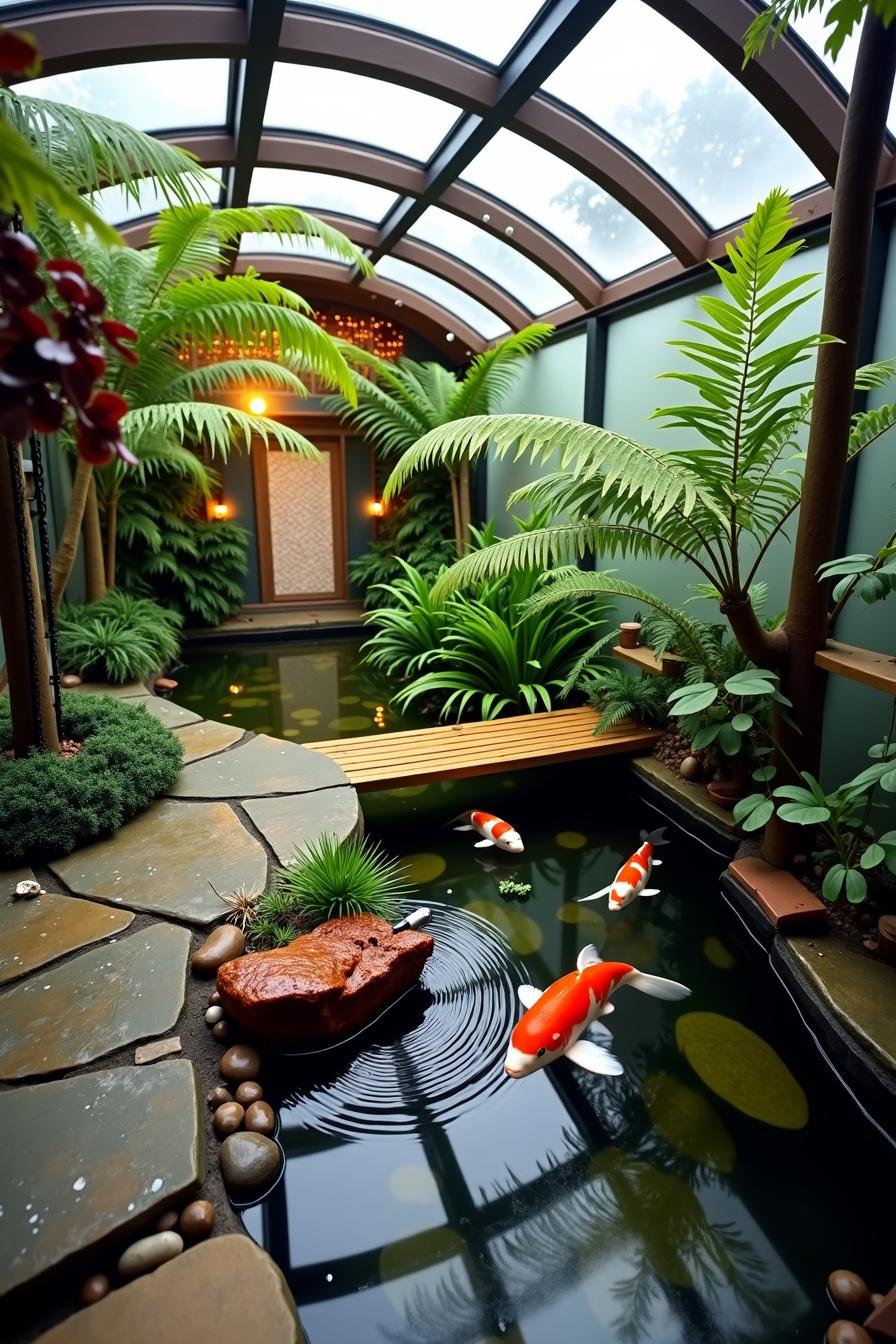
742	1069
687	1122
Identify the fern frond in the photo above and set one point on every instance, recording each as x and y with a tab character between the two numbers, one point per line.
209	379
492	374
219	427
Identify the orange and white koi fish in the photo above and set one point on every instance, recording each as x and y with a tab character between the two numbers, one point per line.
493	830
633	876
556	1020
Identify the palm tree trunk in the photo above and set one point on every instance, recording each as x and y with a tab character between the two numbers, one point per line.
111	537
851	223
27	665
464	505
94	564
455	513
67	550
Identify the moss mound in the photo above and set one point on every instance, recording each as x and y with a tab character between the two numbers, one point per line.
50	805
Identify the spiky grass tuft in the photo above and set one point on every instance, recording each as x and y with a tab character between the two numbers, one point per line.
242	905
328	879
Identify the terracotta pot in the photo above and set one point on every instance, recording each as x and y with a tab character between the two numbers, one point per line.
727	792
629	633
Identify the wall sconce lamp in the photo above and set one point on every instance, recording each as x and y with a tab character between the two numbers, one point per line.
376	508
220	510
257	405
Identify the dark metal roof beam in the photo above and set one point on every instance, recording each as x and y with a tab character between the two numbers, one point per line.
558	30
265	18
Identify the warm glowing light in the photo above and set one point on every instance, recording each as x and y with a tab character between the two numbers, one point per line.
221	510
376	508
236	688
258	405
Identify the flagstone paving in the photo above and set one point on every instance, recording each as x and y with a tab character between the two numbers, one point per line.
88	1158
206	738
33	932
175	716
260	767
289	823
106	688
168	859
94	1004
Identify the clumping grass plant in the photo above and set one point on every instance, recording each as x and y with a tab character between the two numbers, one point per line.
52	804
619	695
326	880
118	638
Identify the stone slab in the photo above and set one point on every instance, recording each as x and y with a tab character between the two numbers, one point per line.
106	688
33	932
206	737
165	859
260	767
148	1054
223	1291
172	715
90	1158
857	990
693	796
289	823
786	902
94	1004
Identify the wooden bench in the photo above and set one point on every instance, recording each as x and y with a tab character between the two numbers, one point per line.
458	750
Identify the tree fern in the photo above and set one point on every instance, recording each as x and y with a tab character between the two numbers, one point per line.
219	427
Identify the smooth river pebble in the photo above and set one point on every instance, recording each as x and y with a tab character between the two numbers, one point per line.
228	1118
223	944
93	1289
260	1118
150	1252
221	1031
214	1014
197	1219
849	1292
167	1222
218	1096
246	1093
240	1064
249	1163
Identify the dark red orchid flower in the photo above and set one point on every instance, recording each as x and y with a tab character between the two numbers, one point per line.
18	54
115	333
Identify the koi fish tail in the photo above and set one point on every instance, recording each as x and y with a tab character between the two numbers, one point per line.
465	823
655	985
596	895
657	837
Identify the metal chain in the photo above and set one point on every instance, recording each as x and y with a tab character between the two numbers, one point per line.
23	522
46	564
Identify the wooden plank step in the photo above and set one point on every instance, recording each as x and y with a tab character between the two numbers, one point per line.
457	751
877	670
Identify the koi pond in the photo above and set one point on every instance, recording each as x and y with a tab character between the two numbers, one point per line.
700	1198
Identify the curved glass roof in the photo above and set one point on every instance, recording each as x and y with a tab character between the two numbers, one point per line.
547	147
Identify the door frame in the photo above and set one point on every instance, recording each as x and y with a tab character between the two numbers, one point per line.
316	427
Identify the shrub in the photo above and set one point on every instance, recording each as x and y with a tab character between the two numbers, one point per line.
626	695
196	567
118	638
49	804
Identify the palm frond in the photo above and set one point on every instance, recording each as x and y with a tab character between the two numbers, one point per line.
26	181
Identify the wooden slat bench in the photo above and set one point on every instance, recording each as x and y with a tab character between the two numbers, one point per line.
454	751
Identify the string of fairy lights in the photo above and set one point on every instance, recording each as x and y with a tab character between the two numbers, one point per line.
364	331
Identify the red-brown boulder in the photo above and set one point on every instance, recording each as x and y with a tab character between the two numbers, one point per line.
325	984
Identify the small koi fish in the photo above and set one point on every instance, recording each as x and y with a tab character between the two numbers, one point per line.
493	830
555	1021
632	878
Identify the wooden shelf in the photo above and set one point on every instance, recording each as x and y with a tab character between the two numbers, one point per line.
871	669
643	657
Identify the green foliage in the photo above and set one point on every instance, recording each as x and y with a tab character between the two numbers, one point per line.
50	805
121	637
196	569
620	694
416	529
478	652
726	715
854	845
326	880
840	19
871	577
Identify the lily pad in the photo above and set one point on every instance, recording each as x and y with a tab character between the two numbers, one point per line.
570	839
421	868
742	1069
717	954
591	920
408	791
688	1122
349	723
247	702
349	700
521	932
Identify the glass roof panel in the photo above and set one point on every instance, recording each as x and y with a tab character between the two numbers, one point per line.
117	207
454	300
487	30
811	28
562	201
151	95
298	247
534	288
320	191
355	107
639	77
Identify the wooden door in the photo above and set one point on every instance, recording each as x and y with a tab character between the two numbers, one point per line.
300	509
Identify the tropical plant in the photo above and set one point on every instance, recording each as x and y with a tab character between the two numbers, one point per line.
718	504
51	804
620	694
404	400
854	846
325	880
840	19
416	529
410	625
176	297
119	638
871	577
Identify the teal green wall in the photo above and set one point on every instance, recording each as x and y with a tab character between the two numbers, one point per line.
239	491
552	382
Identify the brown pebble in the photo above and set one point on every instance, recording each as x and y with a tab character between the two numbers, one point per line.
818	871
94	1288
871	944
876	1299
217	1097
689	768
221	1031
68	681
240	1064
849	1292
165	684
197	1219
228	1118
214	999
847	1332
246	1093
223	944
167	1222
800	860
260	1118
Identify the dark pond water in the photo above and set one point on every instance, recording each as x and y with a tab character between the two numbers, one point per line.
701	1198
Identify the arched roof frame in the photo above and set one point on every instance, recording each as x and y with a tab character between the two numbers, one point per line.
787	80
